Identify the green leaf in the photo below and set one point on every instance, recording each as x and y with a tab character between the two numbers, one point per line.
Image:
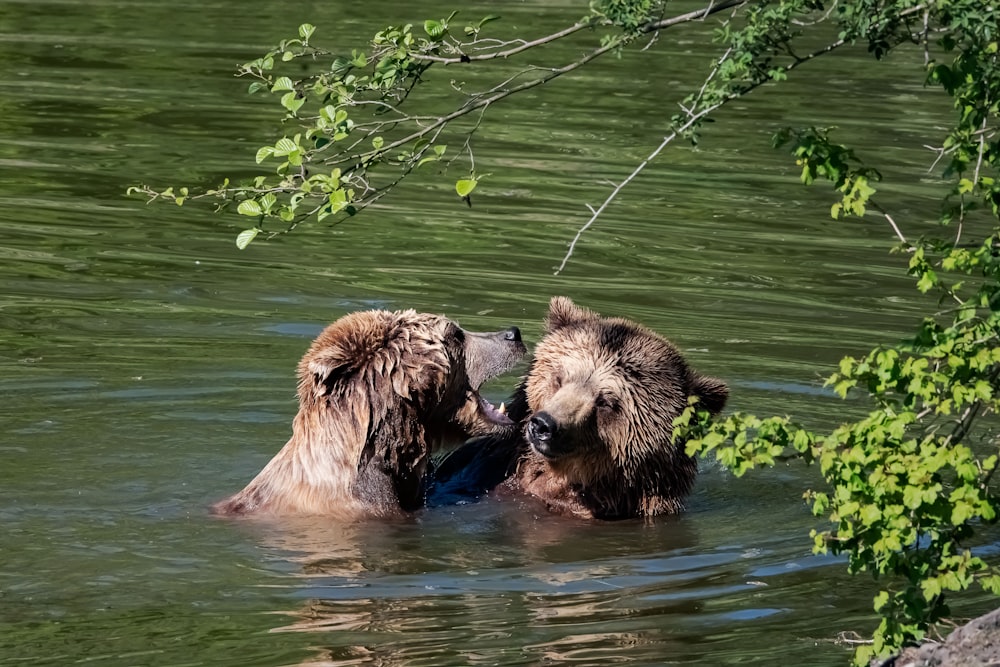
931	588
264	153
991	583
434	28
870	514
267	202
306	31
340	66
927	281
284	146
961	513
282	83
249	207
292	101
328	113
465	186
244	238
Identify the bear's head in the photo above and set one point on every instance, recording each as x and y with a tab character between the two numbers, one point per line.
598	405
402	383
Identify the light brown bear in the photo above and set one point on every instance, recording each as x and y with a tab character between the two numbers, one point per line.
596	413
378	392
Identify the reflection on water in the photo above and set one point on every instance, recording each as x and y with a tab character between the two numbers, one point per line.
518	590
147	366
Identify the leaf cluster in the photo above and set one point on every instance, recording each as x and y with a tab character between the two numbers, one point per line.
348	134
906	486
349	122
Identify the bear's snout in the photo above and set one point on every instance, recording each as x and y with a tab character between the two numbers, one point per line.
539	431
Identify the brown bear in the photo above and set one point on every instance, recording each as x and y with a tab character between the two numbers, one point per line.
378	392
596	413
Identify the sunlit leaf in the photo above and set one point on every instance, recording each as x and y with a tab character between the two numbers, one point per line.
434	28
282	83
264	153
465	186
284	146
244	238
292	101
249	207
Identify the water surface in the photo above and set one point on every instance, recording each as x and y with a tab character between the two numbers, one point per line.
147	365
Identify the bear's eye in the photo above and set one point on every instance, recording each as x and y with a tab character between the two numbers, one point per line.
557	380
606	402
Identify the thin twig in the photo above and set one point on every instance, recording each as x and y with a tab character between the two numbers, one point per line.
693	118
712	8
892	222
485	100
925	34
524	46
975	174
628	179
964	424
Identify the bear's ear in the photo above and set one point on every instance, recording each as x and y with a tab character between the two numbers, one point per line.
711	392
366	339
563	313
324	368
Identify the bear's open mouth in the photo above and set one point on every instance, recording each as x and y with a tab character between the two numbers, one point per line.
494	414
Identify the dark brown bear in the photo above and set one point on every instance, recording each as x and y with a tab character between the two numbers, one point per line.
378	392
596	412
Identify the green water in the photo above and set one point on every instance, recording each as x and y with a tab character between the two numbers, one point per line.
147	365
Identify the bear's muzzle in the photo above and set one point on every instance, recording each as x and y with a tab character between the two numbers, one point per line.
539	432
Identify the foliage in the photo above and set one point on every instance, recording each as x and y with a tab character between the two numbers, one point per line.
348	136
908	484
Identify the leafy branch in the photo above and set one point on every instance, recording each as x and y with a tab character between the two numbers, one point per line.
356	139
911	482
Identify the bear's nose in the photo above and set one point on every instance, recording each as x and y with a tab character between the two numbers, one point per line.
541	426
513	334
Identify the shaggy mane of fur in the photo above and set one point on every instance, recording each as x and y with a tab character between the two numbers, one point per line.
378	391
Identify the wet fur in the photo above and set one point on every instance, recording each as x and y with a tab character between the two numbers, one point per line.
612	387
378	392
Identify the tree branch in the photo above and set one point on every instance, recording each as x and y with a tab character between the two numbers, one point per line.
524	46
486	100
692	119
652	26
